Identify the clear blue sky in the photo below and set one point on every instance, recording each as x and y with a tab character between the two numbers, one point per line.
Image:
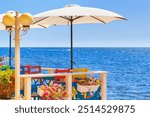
132	33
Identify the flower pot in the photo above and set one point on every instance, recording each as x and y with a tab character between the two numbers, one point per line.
87	88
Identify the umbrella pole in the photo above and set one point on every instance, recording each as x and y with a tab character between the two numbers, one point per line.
71	51
10	34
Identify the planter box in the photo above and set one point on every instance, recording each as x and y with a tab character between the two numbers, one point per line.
87	88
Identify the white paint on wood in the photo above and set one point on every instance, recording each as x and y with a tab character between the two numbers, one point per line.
17	57
104	86
68	81
60	74
27	89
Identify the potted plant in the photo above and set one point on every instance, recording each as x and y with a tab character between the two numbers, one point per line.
7	83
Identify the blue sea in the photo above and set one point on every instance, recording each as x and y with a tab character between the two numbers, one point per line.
128	68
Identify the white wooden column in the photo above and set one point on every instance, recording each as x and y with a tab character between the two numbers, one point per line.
104	86
27	88
17	57
68	81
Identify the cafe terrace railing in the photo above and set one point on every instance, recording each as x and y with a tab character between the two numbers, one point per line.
68	79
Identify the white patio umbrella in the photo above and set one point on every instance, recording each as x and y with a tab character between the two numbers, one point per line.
2	27
75	14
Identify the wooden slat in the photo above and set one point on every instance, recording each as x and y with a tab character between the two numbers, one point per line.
104	86
68	80
17	56
60	74
27	89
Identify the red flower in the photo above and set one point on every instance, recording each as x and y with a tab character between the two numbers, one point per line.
64	93
49	98
45	94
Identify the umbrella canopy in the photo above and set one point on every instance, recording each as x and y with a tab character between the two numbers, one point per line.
2	27
75	14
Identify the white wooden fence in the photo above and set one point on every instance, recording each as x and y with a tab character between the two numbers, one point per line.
68	76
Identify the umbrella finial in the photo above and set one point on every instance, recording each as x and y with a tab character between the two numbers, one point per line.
72	5
12	12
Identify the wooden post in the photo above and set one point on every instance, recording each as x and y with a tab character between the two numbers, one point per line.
50	71
17	57
68	81
104	86
27	88
21	84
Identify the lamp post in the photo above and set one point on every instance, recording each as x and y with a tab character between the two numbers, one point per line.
10	35
17	23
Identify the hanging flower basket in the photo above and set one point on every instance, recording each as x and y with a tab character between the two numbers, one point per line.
88	88
88	85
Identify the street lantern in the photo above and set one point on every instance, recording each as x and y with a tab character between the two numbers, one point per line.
8	20
17	23
26	19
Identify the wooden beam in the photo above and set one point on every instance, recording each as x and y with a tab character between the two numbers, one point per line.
17	57
27	88
68	81
103	93
60	74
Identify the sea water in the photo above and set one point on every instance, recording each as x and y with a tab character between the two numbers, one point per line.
128	68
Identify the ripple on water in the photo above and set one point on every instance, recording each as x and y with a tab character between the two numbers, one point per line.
128	68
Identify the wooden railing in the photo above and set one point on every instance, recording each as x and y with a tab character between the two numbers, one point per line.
68	76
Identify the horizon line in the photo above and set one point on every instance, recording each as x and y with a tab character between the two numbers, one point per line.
81	47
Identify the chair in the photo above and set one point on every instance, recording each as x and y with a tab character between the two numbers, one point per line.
35	70
22	69
60	78
79	76
29	69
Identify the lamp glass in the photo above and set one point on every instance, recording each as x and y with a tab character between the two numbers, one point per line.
26	19
8	20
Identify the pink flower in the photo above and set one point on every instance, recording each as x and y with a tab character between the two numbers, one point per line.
55	85
54	92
